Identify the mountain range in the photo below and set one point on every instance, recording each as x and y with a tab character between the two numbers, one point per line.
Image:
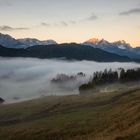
21	46
70	51
10	42
119	47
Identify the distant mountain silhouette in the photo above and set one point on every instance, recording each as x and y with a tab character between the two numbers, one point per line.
93	49
66	51
119	47
10	42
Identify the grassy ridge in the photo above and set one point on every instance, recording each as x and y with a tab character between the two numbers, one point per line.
104	116
71	51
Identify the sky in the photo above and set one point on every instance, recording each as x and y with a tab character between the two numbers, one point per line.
72	20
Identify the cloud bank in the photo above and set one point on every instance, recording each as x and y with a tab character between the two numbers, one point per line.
9	28
92	17
130	12
26	78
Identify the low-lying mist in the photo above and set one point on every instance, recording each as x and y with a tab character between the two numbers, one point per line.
26	78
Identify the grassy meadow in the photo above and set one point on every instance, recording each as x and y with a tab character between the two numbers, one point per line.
99	116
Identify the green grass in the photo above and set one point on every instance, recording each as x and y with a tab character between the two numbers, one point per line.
102	116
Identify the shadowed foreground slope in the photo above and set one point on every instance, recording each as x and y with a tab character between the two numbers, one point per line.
104	116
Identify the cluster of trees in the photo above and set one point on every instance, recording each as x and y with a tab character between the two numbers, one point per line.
1	100
107	77
63	78
129	75
60	78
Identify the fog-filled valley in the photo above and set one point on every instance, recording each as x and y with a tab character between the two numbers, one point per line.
27	78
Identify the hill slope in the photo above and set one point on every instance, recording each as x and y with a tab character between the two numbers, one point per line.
67	51
107	116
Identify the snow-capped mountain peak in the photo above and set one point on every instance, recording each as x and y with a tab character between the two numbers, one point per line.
96	41
49	42
121	47
93	41
103	42
10	42
29	41
33	42
122	44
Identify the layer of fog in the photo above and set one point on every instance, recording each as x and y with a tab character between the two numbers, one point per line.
25	78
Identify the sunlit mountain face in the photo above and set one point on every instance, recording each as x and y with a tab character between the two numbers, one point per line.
120	44
118	47
93	41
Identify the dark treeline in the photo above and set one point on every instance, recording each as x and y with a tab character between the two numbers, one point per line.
130	75
108	77
61	78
